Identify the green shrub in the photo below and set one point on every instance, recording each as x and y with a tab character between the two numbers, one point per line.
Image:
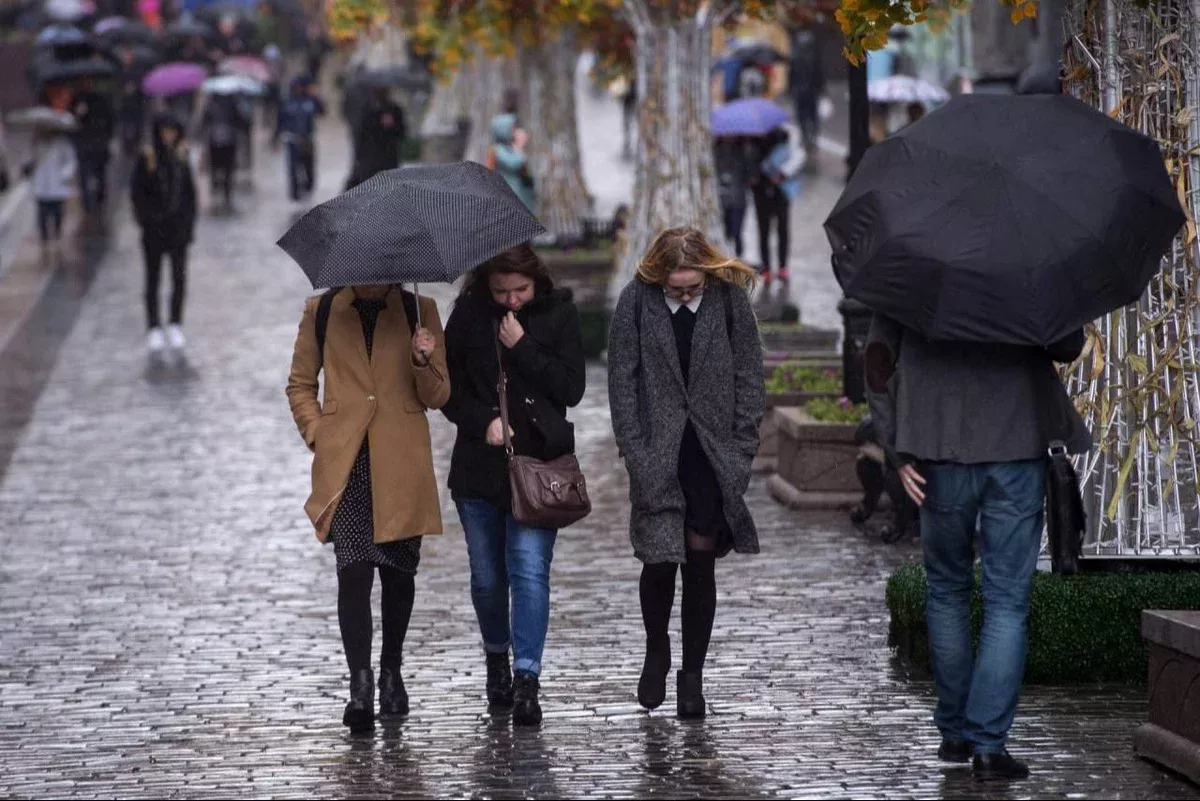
795	377
1082	628
828	410
410	149
594	326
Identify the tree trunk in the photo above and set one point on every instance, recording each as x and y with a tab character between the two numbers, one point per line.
490	76
675	183
447	119
548	113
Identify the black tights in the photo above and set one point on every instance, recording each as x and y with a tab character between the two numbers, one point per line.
657	589
354	613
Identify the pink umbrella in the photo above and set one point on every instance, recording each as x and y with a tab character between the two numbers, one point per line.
248	67
174	79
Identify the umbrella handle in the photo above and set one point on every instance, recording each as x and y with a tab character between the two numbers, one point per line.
417	294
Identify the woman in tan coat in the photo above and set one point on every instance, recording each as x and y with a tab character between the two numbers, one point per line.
382	372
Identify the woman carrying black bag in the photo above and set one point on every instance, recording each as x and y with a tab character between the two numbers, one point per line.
510	298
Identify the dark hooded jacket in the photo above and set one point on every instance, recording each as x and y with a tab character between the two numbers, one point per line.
164	194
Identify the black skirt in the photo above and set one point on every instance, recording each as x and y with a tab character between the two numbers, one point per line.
353	527
704	511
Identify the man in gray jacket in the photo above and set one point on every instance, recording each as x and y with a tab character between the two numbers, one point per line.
966	426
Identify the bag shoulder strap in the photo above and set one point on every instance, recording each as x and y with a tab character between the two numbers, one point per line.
323	306
1053	426
502	390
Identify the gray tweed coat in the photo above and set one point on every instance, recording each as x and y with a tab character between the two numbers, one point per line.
650	407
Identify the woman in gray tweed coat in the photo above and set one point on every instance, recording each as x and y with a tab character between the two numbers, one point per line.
686	391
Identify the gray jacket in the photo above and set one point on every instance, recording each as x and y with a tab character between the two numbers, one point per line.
967	403
650	407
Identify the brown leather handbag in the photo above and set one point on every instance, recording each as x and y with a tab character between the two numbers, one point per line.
550	494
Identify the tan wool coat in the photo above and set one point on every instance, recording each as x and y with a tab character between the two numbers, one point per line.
384	398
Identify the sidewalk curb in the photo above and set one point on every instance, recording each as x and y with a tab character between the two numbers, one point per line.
16	218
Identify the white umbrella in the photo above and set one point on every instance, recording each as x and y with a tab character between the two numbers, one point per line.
69	10
42	118
232	85
906	89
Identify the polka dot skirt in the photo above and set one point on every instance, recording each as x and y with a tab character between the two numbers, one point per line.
352	529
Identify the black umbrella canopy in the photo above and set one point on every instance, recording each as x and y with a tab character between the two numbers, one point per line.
63	71
410	78
422	224
1010	219
186	28
131	32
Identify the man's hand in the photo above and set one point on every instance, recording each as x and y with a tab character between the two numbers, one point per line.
914	484
511	331
495	433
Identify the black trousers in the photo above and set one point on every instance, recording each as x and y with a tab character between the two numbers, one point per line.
49	216
222	160
300	162
734	217
772	208
93	178
154	253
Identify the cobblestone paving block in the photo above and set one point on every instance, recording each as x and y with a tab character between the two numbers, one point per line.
168	622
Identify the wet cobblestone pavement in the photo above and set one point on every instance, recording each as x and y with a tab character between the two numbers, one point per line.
168	623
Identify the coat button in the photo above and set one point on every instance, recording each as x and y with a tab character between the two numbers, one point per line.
371	398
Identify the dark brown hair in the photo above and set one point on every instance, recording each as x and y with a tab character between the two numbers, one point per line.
519	260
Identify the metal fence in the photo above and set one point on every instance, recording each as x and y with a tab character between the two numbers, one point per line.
1138	385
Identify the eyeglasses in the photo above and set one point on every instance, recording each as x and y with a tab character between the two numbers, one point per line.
684	293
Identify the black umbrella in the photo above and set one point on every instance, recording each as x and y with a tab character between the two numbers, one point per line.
421	224
395	77
78	69
1008	219
129	33
187	27
757	53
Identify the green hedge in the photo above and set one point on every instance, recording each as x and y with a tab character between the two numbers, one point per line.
1081	628
594	324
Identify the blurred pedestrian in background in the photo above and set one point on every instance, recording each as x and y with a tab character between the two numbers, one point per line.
686	422
164	204
507	156
97	124
54	171
219	125
806	85
296	125
378	132
733	164
774	183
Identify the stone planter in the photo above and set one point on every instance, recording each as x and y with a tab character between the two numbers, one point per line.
817	342
1172	735
768	432
816	462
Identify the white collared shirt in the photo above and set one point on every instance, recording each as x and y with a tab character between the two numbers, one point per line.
693	304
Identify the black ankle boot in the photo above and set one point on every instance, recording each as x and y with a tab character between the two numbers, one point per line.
360	712
499	681
393	698
526	710
689	694
652	686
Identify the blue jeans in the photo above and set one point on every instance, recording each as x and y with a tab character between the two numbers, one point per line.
505	554
977	693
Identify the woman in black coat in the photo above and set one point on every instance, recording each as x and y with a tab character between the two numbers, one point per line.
164	203
510	311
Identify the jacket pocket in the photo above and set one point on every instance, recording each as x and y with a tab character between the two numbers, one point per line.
413	405
329	407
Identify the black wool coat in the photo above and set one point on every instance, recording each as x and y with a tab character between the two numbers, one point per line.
546	376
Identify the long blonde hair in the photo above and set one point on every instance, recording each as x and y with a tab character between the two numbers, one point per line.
686	248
